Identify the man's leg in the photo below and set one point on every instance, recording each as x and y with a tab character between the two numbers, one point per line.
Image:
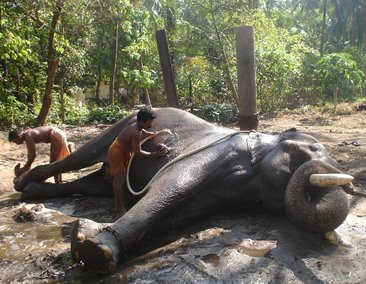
117	193
59	150
53	158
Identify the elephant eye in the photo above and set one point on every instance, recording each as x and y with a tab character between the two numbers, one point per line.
313	148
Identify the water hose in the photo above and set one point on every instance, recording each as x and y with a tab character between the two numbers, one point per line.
180	157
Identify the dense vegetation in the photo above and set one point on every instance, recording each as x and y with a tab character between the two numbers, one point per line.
307	53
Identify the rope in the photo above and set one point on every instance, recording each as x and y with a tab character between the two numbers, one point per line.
180	157
248	122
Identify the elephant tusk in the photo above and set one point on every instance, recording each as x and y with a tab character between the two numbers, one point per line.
335	239
330	179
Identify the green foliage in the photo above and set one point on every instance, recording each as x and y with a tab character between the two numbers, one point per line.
223	113
359	56
14	114
279	58
108	115
20	66
338	72
195	91
74	113
290	70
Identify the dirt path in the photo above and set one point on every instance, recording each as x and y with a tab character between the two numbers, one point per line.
239	248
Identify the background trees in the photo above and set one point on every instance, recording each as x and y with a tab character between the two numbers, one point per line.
53	52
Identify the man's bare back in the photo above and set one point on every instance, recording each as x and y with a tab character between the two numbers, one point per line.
129	135
43	134
40	134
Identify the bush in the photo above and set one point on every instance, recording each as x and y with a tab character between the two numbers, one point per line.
223	113
339	77
108	115
14	114
73	112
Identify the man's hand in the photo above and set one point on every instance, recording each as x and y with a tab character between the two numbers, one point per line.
18	170
163	150
166	131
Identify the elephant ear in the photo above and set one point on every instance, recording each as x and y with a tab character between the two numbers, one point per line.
293	134
260	145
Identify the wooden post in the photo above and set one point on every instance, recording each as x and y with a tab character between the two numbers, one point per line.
166	67
248	117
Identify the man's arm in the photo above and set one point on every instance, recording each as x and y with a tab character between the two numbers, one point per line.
136	148
31	148
148	133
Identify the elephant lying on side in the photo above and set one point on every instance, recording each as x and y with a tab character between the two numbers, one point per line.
241	168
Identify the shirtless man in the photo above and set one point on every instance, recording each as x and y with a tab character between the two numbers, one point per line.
128	142
42	134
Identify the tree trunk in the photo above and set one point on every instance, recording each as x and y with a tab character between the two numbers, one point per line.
147	97
335	98
97	92
114	63
146	91
52	66
226	65
190	92
322	39
62	100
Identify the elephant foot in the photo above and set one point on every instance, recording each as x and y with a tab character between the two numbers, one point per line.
100	253
17	181
81	230
39	190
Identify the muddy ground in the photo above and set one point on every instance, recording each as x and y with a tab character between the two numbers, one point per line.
231	247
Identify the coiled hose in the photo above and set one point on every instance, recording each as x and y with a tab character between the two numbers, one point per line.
180	157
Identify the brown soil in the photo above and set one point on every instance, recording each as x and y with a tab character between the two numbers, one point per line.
247	248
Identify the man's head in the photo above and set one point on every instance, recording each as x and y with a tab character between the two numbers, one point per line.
14	136
145	113
145	117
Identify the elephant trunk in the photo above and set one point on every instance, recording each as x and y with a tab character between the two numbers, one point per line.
316	209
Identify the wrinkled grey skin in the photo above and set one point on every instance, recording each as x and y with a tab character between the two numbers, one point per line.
245	168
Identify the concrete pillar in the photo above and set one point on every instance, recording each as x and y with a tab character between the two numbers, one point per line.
248	117
166	67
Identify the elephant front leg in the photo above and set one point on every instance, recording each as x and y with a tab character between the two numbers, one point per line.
101	251
83	229
170	190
